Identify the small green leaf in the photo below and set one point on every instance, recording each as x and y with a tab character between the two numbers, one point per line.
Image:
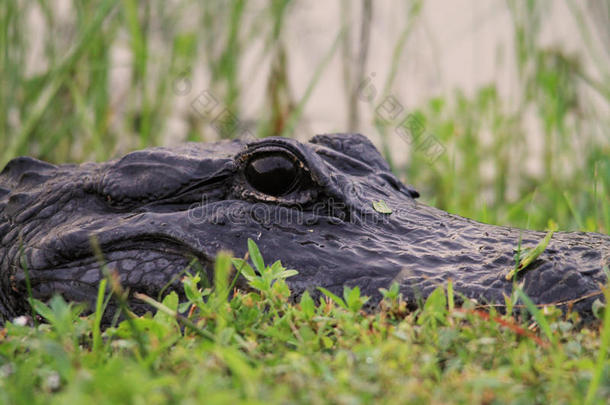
531	255
333	297
435	308
307	305
281	288
287	273
276	268
255	256
184	306
43	310
353	299
244	268
351	295
191	288
171	302
381	207
436	301
259	284
598	307
391	293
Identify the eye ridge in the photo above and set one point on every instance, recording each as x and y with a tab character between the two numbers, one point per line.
275	173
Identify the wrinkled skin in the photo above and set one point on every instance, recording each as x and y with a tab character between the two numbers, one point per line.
155	210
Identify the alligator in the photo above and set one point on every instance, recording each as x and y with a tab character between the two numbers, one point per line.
330	208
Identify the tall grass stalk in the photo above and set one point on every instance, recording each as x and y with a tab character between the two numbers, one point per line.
57	78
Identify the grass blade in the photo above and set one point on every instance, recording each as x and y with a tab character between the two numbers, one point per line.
532	255
298	111
99	311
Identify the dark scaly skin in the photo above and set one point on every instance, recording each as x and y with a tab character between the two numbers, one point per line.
155	210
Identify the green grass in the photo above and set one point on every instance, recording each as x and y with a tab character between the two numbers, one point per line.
258	346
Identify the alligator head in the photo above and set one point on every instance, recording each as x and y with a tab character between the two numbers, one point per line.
311	205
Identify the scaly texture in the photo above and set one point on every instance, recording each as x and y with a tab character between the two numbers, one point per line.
155	210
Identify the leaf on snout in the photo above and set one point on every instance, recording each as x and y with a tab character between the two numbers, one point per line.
381	207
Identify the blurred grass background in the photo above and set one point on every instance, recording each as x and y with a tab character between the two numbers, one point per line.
93	79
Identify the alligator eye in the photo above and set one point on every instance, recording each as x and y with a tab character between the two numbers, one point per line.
274	173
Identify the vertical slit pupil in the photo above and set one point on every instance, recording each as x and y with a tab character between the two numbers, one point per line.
274	173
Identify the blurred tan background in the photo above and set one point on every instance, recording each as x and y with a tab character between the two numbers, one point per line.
447	46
